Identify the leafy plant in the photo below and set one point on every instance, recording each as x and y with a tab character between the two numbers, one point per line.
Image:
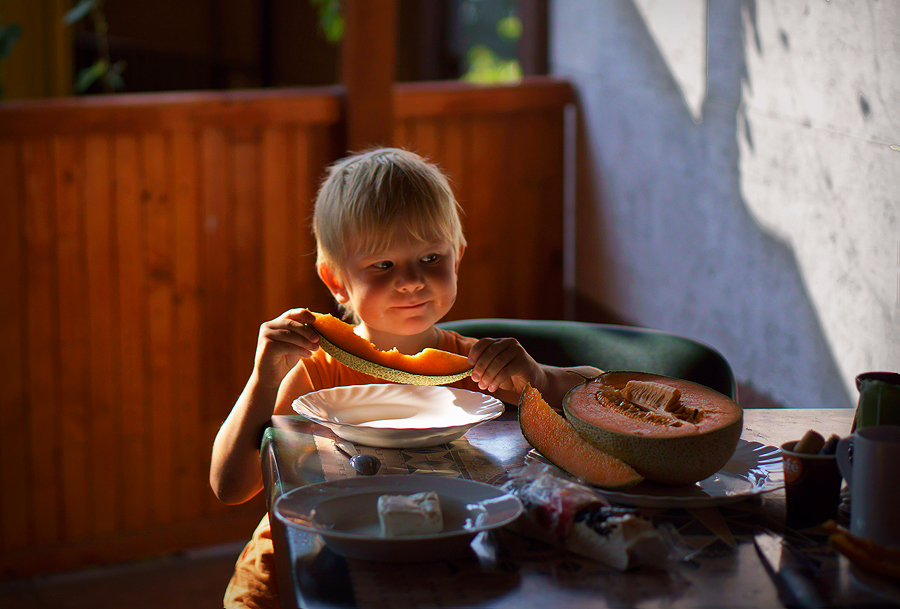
331	20
103	70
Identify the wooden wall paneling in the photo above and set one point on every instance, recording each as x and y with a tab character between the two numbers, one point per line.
156	199
428	137
486	213
45	502
402	135
134	475
315	150
105	421
73	409
454	160
275	203
532	215
14	444
246	280
216	263
191	456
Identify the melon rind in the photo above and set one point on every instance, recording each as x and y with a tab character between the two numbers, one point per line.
553	437
383	372
676	460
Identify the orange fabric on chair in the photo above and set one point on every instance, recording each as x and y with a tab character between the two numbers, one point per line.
253	584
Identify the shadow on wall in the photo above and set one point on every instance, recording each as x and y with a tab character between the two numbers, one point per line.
665	238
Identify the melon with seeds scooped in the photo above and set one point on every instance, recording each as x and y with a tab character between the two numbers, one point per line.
428	367
670	430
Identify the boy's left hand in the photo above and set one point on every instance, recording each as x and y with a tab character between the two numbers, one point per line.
503	364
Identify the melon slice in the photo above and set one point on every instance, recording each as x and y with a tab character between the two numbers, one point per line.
670	430
557	440
428	367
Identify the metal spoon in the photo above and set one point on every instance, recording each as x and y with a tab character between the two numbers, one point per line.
363	463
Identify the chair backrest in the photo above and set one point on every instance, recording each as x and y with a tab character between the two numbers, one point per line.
609	347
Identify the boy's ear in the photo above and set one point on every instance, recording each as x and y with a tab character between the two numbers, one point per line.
462	249
333	283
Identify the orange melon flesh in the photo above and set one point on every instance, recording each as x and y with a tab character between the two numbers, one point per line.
392	364
557	440
670	454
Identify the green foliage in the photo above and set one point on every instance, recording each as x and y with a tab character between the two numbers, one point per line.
510	28
486	67
331	20
488	35
103	70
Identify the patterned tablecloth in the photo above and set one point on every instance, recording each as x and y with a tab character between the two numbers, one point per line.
510	570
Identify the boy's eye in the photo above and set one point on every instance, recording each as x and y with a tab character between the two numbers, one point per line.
430	258
383	265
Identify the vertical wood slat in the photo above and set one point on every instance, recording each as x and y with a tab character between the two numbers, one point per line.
45	501
190	454
105	423
157	226
134	473
14	445
155	239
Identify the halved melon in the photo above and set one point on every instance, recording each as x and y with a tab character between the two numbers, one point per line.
670	430
558	441
428	367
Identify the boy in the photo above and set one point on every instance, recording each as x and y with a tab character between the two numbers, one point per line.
389	244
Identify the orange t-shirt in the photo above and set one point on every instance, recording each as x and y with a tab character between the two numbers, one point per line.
253	584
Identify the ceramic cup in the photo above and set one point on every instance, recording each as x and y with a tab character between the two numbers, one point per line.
812	487
870	461
879	399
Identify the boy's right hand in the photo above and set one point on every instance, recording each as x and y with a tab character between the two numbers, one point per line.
281	343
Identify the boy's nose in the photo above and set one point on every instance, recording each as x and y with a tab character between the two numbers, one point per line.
410	278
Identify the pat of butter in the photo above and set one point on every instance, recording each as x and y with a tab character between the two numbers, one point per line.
402	515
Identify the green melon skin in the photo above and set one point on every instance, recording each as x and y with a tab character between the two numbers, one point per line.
675	460
383	372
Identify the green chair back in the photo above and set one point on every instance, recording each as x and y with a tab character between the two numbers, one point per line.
609	347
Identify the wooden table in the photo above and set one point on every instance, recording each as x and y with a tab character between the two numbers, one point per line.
725	572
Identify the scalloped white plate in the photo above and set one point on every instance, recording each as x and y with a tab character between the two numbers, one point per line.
345	514
398	416
754	469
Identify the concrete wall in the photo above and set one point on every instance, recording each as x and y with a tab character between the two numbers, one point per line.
736	181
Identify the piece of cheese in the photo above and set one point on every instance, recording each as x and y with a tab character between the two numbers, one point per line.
402	515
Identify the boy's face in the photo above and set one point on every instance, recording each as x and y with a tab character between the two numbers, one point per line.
404	288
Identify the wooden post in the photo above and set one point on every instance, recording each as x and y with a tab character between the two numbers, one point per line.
368	60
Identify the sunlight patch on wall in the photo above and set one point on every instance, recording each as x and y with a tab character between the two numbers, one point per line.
679	30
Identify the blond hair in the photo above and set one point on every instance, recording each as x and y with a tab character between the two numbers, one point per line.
369	195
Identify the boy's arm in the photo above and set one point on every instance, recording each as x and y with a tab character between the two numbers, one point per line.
234	474
553	384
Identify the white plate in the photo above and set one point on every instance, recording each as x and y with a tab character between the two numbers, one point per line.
753	469
345	514
398	416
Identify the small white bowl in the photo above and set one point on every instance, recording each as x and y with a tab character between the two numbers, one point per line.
398	416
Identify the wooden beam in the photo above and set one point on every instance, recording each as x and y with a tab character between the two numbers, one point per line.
368	61
533	44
